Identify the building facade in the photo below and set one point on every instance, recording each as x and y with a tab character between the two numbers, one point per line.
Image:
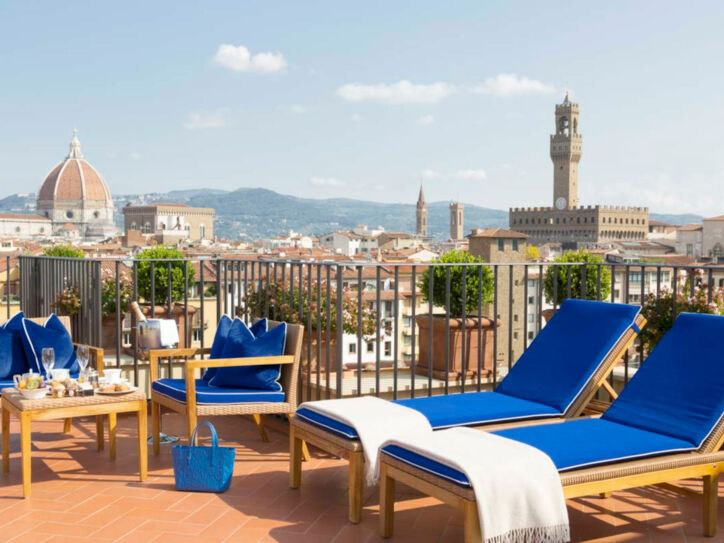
566	221
74	196
18	225
456	221
170	221
421	215
504	247
712	238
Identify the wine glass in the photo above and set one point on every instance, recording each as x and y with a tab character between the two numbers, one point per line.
48	357
83	356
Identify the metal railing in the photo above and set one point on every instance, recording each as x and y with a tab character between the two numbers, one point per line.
368	328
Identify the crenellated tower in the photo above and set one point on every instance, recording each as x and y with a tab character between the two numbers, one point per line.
566	153
456	221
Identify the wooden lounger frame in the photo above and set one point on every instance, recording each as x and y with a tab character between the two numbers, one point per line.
351	449
706	463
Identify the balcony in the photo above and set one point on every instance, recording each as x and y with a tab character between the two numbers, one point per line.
79	494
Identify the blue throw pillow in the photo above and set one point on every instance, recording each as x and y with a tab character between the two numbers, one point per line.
12	354
242	343
53	334
222	332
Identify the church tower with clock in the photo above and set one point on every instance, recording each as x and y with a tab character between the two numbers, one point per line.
565	154
566	221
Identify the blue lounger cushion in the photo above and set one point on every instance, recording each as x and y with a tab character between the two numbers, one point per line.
452	410
561	360
6	384
571	445
679	390
210	395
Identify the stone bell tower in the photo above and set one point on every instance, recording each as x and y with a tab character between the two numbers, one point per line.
566	153
421	215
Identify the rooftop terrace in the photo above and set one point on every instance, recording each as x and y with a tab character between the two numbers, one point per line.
80	495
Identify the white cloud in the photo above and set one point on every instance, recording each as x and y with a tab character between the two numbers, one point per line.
298	110
402	92
428	174
471	175
426	120
134	156
327	182
239	59
198	120
512	85
356	118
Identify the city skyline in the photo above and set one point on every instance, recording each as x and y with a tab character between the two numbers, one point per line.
231	97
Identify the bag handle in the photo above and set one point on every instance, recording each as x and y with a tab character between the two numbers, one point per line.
214	437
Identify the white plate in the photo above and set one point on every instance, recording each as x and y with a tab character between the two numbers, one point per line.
119	393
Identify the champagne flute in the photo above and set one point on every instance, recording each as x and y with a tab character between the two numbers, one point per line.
48	356
83	356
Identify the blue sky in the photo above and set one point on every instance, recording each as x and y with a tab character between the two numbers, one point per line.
369	99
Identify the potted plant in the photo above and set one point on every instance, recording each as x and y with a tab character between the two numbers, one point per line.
478	332
659	313
68	301
555	280
108	306
276	300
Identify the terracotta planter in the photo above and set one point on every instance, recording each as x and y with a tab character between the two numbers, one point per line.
459	362
311	363
108	334
548	313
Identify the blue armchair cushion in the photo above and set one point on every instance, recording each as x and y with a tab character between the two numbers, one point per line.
210	395
242	343
53	334
679	389
571	445
222	332
561	360
12	354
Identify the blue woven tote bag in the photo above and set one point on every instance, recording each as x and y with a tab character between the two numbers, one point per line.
203	469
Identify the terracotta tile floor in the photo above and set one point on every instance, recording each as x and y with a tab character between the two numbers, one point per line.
78	494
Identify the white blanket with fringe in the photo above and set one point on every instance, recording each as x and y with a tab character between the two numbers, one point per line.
517	487
375	420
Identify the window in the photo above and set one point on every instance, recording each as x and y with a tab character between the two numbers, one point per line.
515	318
388	308
69	214
196	335
406	322
388	348
96	214
515	335
407	340
531	318
370	347
146	228
352	348
202	231
515	244
133	226
501	244
530	335
531	300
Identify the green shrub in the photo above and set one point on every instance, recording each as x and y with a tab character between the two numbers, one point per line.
65	251
474	288
559	275
167	256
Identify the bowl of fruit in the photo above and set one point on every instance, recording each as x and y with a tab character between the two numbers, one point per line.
31	385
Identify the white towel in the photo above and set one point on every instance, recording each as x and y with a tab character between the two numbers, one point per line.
517	487
375	421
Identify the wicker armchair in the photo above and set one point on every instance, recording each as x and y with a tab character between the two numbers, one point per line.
96	354
189	406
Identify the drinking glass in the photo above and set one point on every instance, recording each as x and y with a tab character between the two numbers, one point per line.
82	355
48	357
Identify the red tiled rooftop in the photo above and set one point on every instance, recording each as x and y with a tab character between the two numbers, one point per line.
78	494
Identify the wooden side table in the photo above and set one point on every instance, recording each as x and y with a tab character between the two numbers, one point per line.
64	408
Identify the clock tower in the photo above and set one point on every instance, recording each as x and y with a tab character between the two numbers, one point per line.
566	153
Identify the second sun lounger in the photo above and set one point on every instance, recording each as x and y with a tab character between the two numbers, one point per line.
667	425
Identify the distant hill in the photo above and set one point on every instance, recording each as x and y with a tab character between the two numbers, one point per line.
259	213
680	219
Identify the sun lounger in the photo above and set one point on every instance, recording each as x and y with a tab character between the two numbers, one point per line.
665	426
